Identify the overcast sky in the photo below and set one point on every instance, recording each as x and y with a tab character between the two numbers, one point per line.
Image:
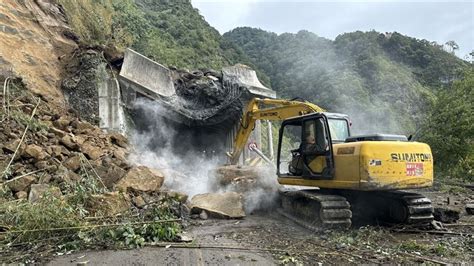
439	21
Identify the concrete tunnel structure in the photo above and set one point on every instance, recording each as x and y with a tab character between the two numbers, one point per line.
141	77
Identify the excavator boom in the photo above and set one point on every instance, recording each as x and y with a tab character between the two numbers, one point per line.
267	109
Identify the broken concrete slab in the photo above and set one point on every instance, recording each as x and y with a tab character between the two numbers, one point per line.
145	76
219	205
141	179
242	75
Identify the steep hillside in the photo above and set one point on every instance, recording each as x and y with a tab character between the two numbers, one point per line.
33	45
170	32
385	82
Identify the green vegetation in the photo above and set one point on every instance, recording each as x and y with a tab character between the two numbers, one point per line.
52	224
449	129
385	82
170	32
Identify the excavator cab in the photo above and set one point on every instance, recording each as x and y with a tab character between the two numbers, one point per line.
313	158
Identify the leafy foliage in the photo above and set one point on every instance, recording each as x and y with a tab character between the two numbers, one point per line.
449	130
384	82
170	32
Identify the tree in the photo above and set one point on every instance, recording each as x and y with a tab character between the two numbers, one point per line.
449	130
453	45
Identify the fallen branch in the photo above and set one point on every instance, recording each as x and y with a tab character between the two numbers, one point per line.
93	170
456	225
431	232
425	258
27	174
88	226
21	139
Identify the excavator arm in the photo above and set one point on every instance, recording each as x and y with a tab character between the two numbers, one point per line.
267	109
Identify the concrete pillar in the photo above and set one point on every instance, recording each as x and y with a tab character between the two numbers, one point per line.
112	117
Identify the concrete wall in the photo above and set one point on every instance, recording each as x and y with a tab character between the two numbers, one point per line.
146	76
112	117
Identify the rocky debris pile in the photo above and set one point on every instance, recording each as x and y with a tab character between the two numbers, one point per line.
43	152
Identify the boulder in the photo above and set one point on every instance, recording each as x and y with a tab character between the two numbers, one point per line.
92	151
56	150
446	214
73	163
119	139
109	174
21	195
62	123
12	145
38	191
141	179
219	205
82	126
68	141
35	151
139	201
108	204
21	183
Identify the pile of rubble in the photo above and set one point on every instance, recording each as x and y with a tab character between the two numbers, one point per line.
42	151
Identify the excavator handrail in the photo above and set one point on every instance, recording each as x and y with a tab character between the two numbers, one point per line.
278	110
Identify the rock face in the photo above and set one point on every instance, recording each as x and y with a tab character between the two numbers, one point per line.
141	179
219	205
108	204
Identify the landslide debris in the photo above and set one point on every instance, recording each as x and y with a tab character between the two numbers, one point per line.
58	171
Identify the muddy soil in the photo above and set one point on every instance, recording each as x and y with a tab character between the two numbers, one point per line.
267	238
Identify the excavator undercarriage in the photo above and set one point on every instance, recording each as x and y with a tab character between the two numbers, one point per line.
320	209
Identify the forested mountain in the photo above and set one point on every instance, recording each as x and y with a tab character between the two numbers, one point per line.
385	82
171	32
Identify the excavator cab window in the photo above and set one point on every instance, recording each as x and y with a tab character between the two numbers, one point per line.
290	161
313	158
316	153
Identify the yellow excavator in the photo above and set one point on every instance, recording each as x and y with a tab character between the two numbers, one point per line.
338	177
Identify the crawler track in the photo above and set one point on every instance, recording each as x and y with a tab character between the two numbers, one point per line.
391	207
334	209
315	210
408	207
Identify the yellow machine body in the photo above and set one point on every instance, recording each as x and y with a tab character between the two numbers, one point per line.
374	166
361	165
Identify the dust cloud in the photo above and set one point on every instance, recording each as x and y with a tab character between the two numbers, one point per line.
159	145
156	145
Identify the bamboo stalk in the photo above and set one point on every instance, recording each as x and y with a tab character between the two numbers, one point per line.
88	226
